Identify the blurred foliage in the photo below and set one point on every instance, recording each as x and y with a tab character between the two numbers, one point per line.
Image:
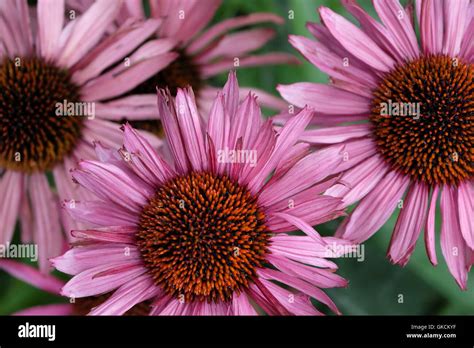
375	285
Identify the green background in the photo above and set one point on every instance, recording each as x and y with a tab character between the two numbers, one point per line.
375	285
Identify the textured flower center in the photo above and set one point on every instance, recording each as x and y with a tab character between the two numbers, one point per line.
181	73
32	136
202	237
422	114
83	306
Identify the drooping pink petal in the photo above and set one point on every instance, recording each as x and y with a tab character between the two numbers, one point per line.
466	212
302	225
409	224
314	210
359	180
32	276
307	246
295	303
128	295
300	285
51	309
26	218
265	299
457	254
322	278
298	251
375	208
241	305
11	188
430	228
47	232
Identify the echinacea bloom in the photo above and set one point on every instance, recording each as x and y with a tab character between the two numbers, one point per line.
53	79
403	110
205	51
53	285
207	233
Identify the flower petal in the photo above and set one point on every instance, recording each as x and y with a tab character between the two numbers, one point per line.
47	229
430	228
409	224
466	212
11	187
32	276
356	41
455	15
324	98
50	24
457	254
375	208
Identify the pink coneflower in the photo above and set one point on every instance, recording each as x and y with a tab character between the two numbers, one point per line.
408	127
205	51
50	63
53	285
208	233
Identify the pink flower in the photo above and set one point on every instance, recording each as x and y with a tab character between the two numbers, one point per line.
207	232
47	70
205	51
404	114
53	285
